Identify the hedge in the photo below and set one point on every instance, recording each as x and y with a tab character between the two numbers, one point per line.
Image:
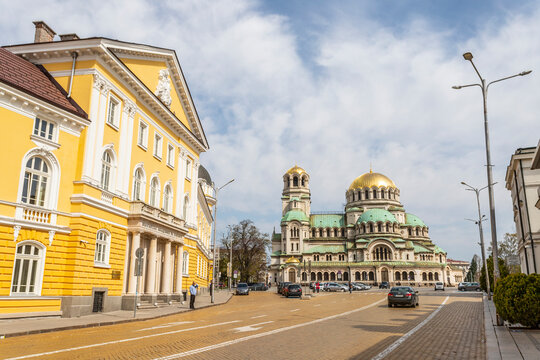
517	299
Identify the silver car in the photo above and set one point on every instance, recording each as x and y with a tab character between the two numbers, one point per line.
242	289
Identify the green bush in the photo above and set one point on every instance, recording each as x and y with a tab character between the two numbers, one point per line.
503	272
517	299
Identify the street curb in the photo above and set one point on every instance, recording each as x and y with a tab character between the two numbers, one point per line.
105	323
493	351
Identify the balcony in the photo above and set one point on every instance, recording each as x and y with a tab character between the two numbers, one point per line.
35	214
146	218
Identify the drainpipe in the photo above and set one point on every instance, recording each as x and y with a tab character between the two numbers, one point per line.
74	56
528	216
521	221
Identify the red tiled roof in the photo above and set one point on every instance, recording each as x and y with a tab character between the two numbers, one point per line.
36	81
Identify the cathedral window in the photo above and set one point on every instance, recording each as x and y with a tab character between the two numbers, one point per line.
379	227
366	194
407	256
296	246
295	181
303	182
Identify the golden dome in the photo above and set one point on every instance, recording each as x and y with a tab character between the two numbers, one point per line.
296	170
292	260
371	179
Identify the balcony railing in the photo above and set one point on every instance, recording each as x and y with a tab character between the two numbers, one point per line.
138	208
107	197
35	214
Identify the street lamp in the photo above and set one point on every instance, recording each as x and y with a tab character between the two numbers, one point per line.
479	223
215	223
468	56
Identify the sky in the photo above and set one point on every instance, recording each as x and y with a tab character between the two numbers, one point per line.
334	86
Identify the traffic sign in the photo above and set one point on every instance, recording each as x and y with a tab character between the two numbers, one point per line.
139	253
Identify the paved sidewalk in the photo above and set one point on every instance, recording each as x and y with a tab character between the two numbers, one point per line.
17	327
504	343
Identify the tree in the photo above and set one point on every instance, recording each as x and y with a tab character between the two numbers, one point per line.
502	269
509	246
249	247
472	270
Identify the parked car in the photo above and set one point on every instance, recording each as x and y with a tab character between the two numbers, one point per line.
357	287
366	286
242	289
439	286
332	287
462	286
472	286
294	290
285	289
384	285
258	286
280	287
402	295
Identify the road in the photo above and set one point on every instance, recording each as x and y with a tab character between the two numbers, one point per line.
264	325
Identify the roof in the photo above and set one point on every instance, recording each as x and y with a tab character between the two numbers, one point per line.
295	215
203	174
376	215
371	179
325	249
413	220
420	249
36	81
438	250
353	209
292	260
327	220
296	170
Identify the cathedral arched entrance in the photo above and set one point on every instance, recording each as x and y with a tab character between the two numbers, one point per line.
384	274
292	275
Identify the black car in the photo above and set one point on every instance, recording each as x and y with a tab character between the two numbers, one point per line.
402	295
281	285
293	290
384	285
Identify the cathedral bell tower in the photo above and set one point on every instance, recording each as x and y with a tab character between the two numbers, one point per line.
296	207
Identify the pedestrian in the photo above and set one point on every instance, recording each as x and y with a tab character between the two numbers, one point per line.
350	288
192	293
317	286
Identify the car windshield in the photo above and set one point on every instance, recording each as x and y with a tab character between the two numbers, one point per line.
242	285
294	287
439	283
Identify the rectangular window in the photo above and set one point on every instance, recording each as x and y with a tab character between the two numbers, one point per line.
158	149
188	169
170	155
113	113
44	129
142	140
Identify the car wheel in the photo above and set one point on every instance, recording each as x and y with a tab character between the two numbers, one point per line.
343	290
389	305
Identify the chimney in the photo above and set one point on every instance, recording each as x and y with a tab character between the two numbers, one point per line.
43	32
69	37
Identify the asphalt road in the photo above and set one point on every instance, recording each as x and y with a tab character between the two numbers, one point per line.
446	325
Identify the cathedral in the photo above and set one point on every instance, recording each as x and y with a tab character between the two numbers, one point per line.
373	240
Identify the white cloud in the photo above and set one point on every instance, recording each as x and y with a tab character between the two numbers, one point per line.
370	94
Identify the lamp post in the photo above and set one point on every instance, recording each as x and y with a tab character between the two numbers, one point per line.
214	255
479	223
468	56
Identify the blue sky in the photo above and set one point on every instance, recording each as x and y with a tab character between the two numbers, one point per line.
334	86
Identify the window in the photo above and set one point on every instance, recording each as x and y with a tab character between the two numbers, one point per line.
188	169
142	140
185	263
113	113
158	149
106	164
27	269
138	185
154	192
167	198
36	178
170	155
101	255
186	207
44	129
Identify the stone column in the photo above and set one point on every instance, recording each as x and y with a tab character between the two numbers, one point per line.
91	132
179	265
135	243
151	272
166	271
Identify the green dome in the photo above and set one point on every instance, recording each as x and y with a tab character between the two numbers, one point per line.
295	215
413	220
376	215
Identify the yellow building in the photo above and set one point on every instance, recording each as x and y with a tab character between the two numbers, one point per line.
100	157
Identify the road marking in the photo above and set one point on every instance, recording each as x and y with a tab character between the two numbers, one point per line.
120	341
251	327
167	325
317	305
260	316
271	332
295	310
398	342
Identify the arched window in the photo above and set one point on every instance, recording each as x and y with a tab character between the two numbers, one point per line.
332	276
186	207
424	276
303	181
36	180
326	276
295	181
185	263
379	227
319	276
320	232
416	231
404	275
138	185
103	240
167	198
28	269
371	276
398	276
352	196
375	195
370	227
366	194
106	169
304	276
313	276
313	231
430	276
411	275
364	275
154	192
436	276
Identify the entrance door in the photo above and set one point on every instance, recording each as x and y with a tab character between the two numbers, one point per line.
98	301
384	275
292	275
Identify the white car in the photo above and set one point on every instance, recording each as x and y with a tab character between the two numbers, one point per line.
439	286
